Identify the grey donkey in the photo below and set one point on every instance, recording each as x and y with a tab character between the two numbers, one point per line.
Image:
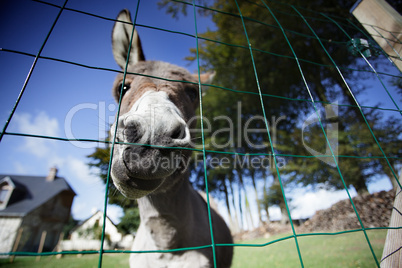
160	113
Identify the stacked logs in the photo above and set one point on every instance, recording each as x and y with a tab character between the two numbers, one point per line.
374	211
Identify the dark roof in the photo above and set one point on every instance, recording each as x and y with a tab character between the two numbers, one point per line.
34	191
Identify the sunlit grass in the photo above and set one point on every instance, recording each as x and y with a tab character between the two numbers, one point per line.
343	250
68	261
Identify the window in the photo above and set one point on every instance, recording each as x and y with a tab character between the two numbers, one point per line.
3	195
6	187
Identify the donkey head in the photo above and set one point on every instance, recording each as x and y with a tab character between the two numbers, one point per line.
155	116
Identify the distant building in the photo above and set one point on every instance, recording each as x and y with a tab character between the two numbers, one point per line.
33	204
87	235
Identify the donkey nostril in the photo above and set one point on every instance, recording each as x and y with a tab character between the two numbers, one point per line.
178	133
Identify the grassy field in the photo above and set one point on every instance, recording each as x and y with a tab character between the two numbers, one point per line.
68	261
346	250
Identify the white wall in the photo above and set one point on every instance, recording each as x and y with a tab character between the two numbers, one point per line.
80	241
8	232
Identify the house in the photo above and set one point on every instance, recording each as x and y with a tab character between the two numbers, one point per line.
87	235
31	208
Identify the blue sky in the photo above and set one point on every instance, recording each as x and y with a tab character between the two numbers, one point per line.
69	101
64	100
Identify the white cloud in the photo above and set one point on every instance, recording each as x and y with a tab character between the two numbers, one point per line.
274	213
43	124
20	168
307	203
40	124
79	210
86	201
80	170
114	213
37	147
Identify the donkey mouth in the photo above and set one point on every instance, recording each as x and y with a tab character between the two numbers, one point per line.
147	163
141	170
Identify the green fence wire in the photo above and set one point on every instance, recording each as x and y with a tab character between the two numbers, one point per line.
341	23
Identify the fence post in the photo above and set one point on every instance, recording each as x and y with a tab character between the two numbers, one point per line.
16	242
384	24
392	254
41	244
58	247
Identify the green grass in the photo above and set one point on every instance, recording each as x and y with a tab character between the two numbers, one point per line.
68	261
344	250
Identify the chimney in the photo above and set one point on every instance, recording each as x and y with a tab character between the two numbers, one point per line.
52	174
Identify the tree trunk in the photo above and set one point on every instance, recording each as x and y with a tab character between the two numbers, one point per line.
284	214
240	188
282	205
256	198
241	223
236	224
360	184
360	187
266	206
231	221
249	216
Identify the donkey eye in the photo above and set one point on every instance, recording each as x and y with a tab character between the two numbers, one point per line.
126	87
192	93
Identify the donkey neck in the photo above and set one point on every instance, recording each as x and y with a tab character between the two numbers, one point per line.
167	216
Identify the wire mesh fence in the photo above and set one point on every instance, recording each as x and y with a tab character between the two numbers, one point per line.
315	30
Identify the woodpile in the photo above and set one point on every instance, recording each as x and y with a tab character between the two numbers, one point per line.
374	211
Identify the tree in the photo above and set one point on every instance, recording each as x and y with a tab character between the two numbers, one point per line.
226	50
68	227
272	196
358	155
235	72
130	221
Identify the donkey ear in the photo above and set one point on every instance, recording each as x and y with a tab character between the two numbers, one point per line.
205	78
121	37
